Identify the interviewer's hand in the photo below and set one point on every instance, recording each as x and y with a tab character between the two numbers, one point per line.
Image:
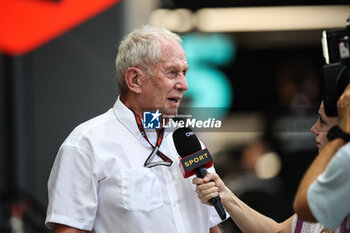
209	187
343	105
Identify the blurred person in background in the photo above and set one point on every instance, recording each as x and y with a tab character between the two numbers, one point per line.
257	184
111	175
250	220
324	193
288	122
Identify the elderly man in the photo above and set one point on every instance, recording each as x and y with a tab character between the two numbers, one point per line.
111	175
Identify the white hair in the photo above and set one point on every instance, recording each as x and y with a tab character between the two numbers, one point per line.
141	49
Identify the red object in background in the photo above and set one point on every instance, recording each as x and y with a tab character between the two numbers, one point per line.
28	24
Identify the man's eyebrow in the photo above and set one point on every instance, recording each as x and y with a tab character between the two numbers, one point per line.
172	67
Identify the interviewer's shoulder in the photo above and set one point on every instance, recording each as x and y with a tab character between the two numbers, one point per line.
345	150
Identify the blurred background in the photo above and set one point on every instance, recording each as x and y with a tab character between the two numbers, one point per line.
255	64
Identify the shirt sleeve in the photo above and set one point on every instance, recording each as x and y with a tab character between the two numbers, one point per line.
72	189
329	195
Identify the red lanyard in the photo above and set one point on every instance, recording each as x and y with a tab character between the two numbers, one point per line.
165	160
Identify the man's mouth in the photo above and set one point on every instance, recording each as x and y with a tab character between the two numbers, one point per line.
174	99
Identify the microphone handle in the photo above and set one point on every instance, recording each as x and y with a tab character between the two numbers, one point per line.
216	201
200	172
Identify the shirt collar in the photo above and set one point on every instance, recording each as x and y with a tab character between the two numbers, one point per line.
126	117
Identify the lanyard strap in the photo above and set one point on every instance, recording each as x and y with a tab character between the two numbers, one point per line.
344	225
299	225
165	160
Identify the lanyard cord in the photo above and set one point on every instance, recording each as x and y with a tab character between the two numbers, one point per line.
166	161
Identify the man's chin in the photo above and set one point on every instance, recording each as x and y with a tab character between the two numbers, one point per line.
170	111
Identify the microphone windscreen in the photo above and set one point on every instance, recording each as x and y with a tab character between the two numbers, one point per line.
186	142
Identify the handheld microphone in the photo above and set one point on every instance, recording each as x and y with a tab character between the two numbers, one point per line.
194	160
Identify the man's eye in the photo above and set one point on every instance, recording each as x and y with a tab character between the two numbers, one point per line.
172	73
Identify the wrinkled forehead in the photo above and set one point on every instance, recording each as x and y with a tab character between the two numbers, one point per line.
167	43
171	50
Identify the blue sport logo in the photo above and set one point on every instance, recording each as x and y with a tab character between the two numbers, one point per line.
151	120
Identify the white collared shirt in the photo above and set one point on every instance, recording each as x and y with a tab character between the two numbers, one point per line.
99	183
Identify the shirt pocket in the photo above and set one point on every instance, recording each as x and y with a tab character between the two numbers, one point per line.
141	190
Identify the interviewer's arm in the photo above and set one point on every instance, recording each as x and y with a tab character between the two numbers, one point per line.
246	218
59	228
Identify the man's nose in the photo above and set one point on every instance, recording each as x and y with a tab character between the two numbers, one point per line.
181	83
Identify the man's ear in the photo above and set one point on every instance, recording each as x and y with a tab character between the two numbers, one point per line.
132	79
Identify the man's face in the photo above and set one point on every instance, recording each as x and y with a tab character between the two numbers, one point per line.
167	84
